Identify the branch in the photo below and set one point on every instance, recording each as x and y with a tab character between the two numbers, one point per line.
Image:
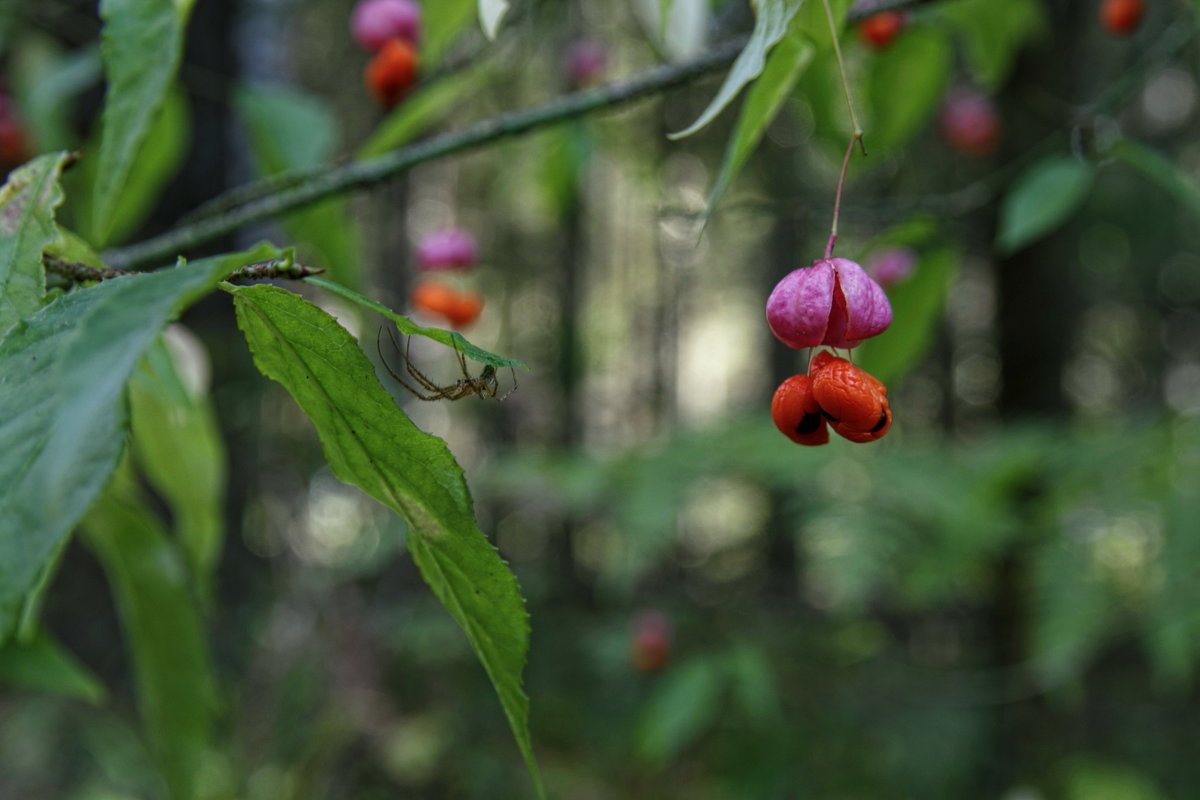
77	272
361	174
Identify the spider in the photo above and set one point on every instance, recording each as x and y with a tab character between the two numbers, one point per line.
486	385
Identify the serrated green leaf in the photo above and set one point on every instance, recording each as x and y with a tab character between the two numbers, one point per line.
27	204
1041	199
180	452
41	664
370	443
765	98
994	34
1161	170
770	25
682	708
409	328
424	107
62	378
917	305
491	15
176	688
294	132
906	82
142	44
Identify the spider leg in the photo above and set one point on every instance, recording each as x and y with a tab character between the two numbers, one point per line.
395	377
419	376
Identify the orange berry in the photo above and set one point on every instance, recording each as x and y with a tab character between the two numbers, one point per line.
466	309
878	30
853	401
797	414
392	72
442	300
1121	17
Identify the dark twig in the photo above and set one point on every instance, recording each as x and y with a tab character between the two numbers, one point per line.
78	272
360	174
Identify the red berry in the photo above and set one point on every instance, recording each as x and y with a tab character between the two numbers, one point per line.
392	72
14	143
970	123
797	414
878	30
650	647
1121	17
374	22
853	401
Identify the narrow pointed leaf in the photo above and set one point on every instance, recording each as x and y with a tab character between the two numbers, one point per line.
180	452
43	665
1041	199
176	687
141	46
410	328
763	102
27	204
293	133
62	378
770	26
370	443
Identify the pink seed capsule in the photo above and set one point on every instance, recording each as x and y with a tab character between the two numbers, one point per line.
452	248
374	22
834	303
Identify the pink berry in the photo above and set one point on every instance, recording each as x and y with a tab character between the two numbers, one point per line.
834	302
970	123
374	22
585	61
892	265
452	248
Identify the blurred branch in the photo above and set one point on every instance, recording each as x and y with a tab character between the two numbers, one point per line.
361	174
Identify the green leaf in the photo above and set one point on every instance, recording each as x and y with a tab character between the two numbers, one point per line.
27	204
370	443
753	683
294	132
1162	171
180	452
164	632
409	328
142	44
443	22
426	106
994	33
43	665
682	708
47	81
491	15
1041	199
763	102
906	82
917	305
770	26
62	378
159	159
